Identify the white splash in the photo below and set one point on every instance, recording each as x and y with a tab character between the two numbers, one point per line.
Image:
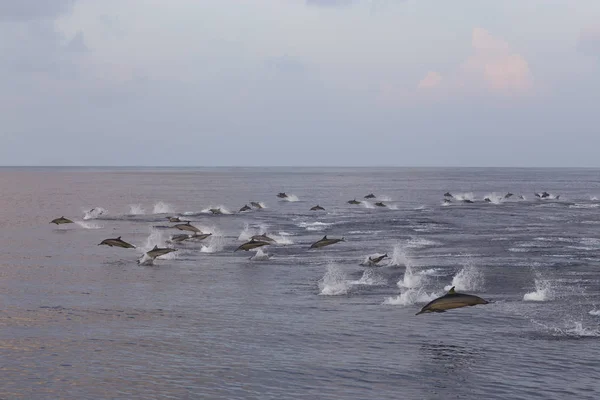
88	225
260	256
410	297
314	226
366	204
334	282
494	198
136	209
221	207
283	238
155	238
94	213
468	278
370	278
595	312
464	196
216	242
291	198
543	291
163	208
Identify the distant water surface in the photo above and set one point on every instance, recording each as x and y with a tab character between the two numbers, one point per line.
81	321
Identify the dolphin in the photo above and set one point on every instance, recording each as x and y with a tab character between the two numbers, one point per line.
521	197
354	202
325	242
282	195
448	194
380	204
376	260
173	219
116	242
61	220
255	204
370	196
446	201
200	236
487	200
468	201
245	208
508	195
187	227
216	211
181	237
316	208
252	244
263	238
451	300
159	251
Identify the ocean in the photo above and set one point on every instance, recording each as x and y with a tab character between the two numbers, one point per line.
82	321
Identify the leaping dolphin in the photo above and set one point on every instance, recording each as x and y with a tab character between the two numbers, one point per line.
448	194
282	195
173	219
252	244
325	242
354	202
451	300
187	227
118	242
216	211
370	196
508	195
61	220
380	204
159	251
316	208
376	260
180	237
245	208
263	238
255	204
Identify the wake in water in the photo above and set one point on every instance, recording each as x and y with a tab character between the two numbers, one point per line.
292	198
136	209
163	208
569	329
94	213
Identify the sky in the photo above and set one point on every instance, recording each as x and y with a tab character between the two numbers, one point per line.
507	83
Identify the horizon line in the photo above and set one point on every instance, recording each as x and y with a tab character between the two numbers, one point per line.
300	166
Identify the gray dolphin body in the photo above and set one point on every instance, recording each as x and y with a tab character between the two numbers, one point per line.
255	204
468	201
508	195
61	220
370	196
245	208
451	300
216	211
316	208
354	202
252	244
263	238
180	238
448	194
376	260
159	251
187	227
117	242
173	219
325	242
282	195
201	236
380	204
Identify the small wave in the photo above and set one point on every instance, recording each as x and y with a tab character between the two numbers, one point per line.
543	291
314	226
410	297
595	312
420	242
94	213
334	282
163	208
593	198
136	209
570	329
88	225
433	272
581	205
468	278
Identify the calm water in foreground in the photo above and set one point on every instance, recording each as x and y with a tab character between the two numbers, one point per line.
81	321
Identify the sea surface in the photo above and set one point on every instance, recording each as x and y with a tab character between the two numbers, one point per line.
82	321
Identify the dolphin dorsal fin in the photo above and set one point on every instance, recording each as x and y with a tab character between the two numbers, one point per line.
155	247
324	237
451	291
119	238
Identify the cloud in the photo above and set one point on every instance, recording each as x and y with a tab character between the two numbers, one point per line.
27	10
495	66
589	40
431	80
